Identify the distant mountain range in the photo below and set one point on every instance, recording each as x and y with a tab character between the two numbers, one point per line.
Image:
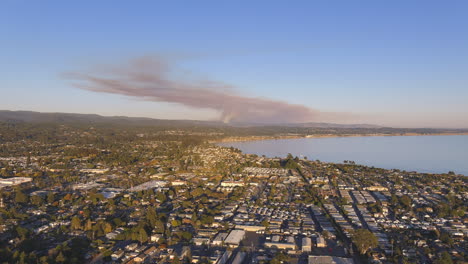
312	125
39	117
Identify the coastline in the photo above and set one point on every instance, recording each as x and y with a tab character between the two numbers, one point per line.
296	136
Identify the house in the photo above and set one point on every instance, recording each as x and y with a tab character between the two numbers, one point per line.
151	250
113	235
117	255
251	228
178	183
131	247
281	245
198	241
155	237
321	243
379	188
140	258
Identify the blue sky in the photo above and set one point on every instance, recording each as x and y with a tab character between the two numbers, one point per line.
398	63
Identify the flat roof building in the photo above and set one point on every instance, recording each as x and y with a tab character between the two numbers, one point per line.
239	258
4	182
235	237
329	260
219	239
306	244
280	245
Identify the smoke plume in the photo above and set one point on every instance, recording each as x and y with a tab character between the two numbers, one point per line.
151	78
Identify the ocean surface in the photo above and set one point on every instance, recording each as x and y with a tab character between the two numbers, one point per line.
433	154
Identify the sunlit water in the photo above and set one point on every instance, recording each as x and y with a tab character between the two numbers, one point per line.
436	154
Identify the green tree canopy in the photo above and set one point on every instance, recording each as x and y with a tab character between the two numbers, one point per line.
444	258
20	197
364	240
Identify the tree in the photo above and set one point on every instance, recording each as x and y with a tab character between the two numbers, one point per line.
444	258
175	223
37	200
22	257
176	259
161	197
107	227
60	258
207	219
50	197
22	232
44	260
364	240
279	258
394	200
75	223
187	236
405	201
197	192
142	235
20	197
445	237
443	209
151	217
88	225
326	234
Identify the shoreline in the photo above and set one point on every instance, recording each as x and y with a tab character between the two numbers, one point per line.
278	137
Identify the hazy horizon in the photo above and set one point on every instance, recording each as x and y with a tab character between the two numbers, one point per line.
395	64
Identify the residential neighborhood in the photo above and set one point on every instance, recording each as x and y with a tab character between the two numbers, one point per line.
165	198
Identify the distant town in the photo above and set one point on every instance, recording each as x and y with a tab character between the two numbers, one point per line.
102	193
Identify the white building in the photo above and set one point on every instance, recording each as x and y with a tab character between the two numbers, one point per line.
94	170
329	260
251	228
235	237
149	185
178	183
156	237
4	182
232	184
306	244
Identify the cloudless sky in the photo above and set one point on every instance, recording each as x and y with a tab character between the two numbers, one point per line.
398	63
